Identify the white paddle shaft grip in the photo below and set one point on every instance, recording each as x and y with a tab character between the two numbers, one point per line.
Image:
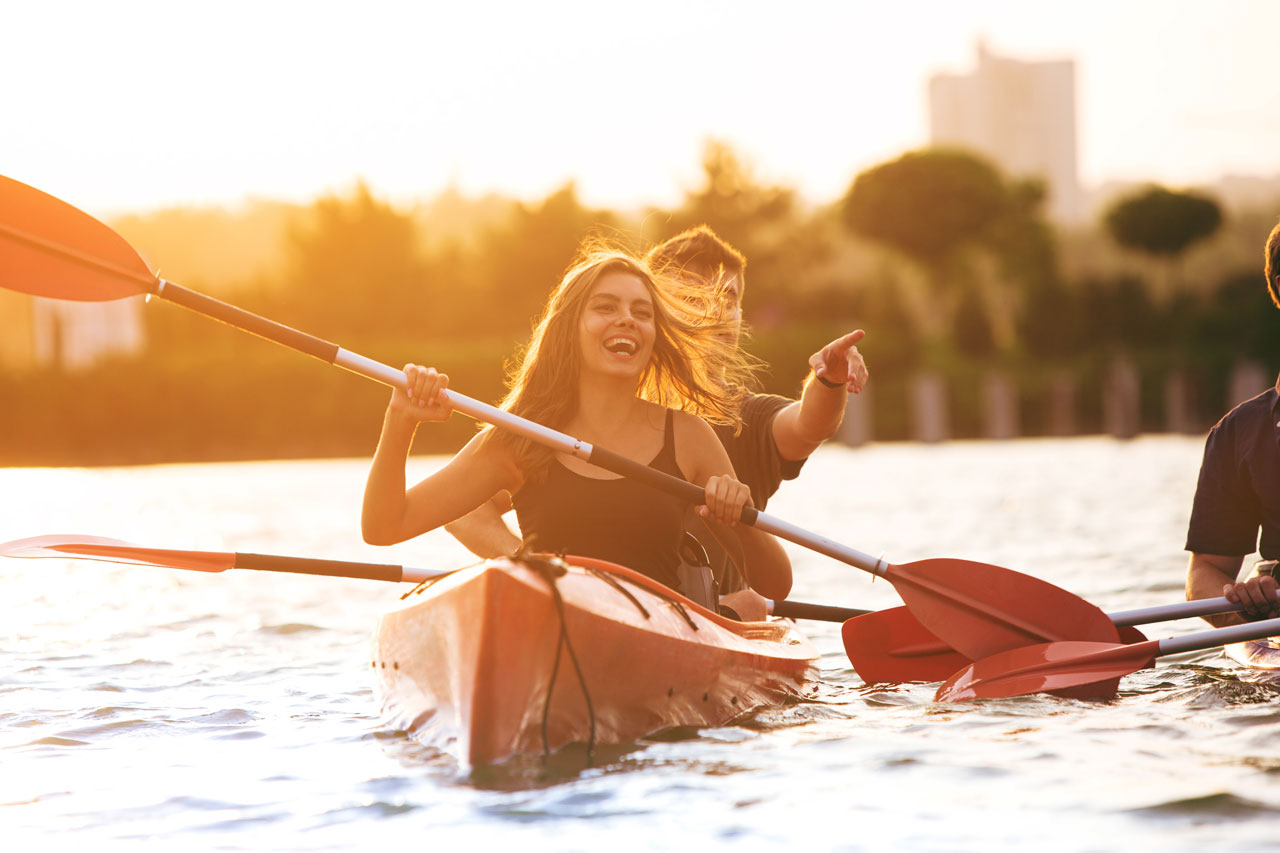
821	544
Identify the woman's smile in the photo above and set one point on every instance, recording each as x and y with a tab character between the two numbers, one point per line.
618	322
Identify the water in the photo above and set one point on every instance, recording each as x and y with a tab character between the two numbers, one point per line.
145	708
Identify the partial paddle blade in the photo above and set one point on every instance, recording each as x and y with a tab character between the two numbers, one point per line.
116	551
892	645
49	248
982	610
1050	667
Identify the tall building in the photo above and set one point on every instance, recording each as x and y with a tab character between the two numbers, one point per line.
1020	114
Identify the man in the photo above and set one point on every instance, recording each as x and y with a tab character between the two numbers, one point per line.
1238	493
777	436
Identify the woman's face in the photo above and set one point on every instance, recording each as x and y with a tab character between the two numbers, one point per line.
617	329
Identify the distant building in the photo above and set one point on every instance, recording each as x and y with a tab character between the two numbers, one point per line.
1020	114
40	333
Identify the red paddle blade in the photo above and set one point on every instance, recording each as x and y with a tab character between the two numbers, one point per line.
892	645
115	551
49	248
1049	667
980	609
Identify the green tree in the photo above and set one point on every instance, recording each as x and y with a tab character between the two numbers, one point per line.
522	261
756	218
355	267
1163	223
952	214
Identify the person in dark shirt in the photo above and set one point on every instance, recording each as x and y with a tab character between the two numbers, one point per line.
1238	494
778	434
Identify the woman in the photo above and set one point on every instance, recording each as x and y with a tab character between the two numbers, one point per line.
616	361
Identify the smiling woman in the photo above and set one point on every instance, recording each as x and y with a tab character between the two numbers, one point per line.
622	357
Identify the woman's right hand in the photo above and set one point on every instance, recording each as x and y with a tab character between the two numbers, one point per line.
422	399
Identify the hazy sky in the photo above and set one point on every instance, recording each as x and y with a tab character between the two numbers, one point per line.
127	105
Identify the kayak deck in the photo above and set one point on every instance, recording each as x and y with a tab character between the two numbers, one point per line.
515	658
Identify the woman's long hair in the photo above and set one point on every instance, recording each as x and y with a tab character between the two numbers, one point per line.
694	367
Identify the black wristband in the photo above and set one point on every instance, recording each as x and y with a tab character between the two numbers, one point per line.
825	381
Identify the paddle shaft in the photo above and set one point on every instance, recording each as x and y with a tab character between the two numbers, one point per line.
1181	610
404	574
114	550
334	568
815	612
598	456
1219	637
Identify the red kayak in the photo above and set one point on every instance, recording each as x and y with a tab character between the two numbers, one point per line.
468	666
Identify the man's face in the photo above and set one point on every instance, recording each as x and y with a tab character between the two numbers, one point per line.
729	293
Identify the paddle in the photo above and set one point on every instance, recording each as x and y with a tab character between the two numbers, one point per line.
892	645
55	250
1076	665
117	551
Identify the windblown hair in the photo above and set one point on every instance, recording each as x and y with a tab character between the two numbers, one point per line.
699	251
690	354
1273	264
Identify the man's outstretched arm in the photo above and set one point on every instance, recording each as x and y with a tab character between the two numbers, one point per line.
837	370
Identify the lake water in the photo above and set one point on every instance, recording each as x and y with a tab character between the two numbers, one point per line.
145	708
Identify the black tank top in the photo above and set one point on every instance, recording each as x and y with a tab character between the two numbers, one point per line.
618	519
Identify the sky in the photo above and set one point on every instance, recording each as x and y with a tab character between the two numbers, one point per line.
129	106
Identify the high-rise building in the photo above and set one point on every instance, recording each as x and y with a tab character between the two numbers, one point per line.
1020	114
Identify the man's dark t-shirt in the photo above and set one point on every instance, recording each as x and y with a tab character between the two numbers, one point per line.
756	462
1239	487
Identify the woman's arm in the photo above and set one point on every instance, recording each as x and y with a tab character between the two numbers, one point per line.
483	531
391	513
803	425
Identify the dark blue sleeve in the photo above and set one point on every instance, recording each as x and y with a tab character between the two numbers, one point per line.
754	453
1225	514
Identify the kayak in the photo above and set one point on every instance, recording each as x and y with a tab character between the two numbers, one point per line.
525	656
1256	654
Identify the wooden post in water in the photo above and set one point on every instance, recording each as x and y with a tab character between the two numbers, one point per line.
929	415
1062	404
999	406
856	429
1178	417
1121	402
1248	380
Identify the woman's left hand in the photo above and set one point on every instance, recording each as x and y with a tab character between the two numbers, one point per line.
725	499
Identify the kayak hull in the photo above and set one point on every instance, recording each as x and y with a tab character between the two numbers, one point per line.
1256	654
482	663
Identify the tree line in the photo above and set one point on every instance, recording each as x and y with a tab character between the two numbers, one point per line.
949	264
